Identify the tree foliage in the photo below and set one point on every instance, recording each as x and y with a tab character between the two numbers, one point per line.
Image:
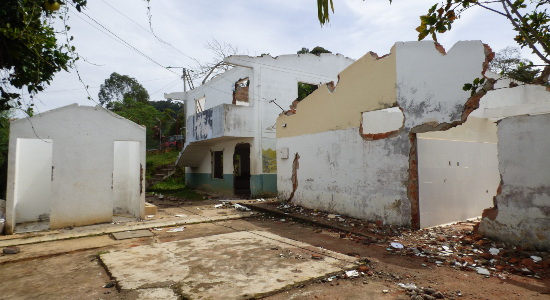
508	63
141	113
30	54
119	87
317	50
162	105
530	22
304	90
4	143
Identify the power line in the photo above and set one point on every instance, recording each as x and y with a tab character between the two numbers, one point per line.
150	32
96	87
170	85
135	49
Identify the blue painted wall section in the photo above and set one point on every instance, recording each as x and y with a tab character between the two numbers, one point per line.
260	185
205	182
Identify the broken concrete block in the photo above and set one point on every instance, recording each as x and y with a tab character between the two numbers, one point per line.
11	250
150	209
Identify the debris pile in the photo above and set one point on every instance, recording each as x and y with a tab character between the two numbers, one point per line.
456	245
461	248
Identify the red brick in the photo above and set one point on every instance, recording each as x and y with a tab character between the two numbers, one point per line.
486	255
467	259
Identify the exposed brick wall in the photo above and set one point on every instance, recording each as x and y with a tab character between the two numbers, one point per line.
242	94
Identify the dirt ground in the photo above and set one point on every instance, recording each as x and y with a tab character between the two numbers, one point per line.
69	269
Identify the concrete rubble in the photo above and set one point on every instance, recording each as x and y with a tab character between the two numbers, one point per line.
457	245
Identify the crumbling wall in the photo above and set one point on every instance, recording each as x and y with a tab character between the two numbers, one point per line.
376	178
521	212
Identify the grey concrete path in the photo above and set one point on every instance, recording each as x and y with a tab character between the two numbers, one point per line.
61	234
238	265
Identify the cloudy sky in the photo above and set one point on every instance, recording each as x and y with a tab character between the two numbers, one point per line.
254	27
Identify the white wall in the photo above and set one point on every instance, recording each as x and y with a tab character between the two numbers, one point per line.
341	172
33	182
126	177
429	83
522	212
382	121
457	180
228	148
83	160
520	100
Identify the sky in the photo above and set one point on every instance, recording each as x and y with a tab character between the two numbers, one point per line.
254	27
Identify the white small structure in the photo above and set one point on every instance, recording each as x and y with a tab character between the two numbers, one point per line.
75	165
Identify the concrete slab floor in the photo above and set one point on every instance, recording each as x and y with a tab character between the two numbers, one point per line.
226	266
131	234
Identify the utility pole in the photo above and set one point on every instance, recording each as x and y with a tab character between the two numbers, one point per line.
184	76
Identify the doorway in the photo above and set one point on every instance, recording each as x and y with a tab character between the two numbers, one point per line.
33	180
126	178
241	170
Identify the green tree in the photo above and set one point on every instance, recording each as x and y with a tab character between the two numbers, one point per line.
508	63
118	87
530	22
162	105
317	50
4	143
304	90
141	113
30	54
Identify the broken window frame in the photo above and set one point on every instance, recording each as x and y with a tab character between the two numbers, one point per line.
241	83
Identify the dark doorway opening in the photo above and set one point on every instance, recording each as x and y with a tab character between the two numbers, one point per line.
217	164
241	170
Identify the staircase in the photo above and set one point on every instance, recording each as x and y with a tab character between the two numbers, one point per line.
162	173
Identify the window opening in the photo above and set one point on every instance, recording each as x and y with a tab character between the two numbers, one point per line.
304	89
217	164
241	91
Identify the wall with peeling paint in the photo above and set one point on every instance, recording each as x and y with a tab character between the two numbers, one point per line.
375	179
83	161
271	78
522	209
341	172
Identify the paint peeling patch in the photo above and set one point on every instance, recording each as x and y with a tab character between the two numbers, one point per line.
440	48
490	213
331	87
295	166
375	56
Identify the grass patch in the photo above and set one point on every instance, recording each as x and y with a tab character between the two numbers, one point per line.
185	192
155	160
170	183
174	186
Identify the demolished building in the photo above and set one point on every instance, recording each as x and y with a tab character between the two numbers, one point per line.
73	166
397	140
230	138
